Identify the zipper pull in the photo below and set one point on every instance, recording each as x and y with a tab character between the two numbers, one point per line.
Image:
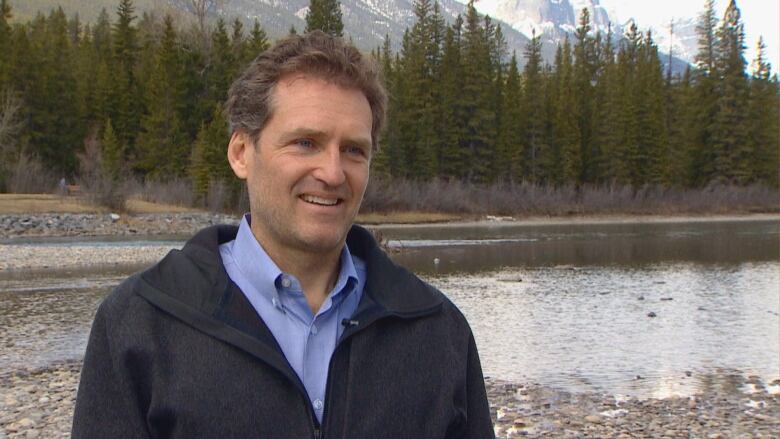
317	433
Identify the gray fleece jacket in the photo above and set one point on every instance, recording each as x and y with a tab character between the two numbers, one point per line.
178	351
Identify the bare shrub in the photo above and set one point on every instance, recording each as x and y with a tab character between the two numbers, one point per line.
28	175
524	198
176	191
97	185
219	196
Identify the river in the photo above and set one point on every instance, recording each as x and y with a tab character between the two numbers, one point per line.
639	309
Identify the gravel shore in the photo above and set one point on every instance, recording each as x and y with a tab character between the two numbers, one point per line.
69	224
39	403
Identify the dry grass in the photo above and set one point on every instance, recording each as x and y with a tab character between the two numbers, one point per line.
47	203
407	218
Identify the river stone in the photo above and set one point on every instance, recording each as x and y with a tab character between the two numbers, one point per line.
594	419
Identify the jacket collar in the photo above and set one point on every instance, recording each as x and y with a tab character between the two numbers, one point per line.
390	287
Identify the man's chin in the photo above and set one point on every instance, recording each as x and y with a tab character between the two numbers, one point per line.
322	241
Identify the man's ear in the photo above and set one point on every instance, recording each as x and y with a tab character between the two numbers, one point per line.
239	146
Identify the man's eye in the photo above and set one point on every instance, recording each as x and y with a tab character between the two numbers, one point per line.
355	150
304	143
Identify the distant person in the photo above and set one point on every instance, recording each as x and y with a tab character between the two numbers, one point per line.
62	187
294	324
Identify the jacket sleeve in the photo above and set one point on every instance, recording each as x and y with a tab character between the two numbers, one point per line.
478	422
106	405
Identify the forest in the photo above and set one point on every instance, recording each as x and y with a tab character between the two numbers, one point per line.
137	97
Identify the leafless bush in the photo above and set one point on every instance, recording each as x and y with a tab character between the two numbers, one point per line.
96	184
28	176
512	198
177	191
219	196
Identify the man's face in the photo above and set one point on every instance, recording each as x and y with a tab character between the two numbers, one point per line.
308	171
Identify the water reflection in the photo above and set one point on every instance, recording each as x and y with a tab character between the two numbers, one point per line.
584	245
588	329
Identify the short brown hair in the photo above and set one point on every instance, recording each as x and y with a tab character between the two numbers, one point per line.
248	106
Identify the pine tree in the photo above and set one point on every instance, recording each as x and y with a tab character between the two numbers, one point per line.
764	116
533	117
626	162
705	79
477	94
652	154
585	65
222	65
209	157
125	109
112	153
730	146
567	131
510	130
325	15
607	129
162	144
257	44
380	162
5	42
452	159
55	133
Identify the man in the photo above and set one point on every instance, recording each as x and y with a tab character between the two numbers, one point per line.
294	324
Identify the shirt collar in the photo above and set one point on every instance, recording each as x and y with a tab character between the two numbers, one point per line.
265	275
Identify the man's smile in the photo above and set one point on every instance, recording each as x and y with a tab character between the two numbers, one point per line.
320	201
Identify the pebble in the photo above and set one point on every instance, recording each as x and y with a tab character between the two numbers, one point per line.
519	409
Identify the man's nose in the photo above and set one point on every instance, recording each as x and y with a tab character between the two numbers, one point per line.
329	167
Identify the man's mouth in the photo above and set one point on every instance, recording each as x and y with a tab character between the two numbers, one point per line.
320	201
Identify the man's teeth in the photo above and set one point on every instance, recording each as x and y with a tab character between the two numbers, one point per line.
318	200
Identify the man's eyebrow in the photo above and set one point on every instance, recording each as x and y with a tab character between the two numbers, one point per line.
362	142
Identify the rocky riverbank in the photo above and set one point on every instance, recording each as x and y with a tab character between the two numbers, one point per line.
39	403
72	224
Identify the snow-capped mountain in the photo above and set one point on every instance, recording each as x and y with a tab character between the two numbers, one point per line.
366	22
553	20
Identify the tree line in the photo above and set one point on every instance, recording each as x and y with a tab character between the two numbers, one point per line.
149	94
605	112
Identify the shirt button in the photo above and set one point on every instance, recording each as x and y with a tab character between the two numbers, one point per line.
314	329
286	282
318	404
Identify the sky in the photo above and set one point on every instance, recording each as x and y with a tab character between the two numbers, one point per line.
760	17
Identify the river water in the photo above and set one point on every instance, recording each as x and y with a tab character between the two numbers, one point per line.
641	309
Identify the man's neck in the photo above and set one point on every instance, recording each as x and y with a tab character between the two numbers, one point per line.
316	272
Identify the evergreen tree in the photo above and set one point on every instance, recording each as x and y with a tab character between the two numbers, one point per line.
705	79
764	117
510	130
162	144
5	42
257	44
651	164
209	157
533	117
585	65
477	93
325	15
112	153
567	132
452	159
53	123
730	145
125	109
222	64
607	129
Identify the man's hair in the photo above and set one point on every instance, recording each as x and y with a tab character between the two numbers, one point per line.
316	53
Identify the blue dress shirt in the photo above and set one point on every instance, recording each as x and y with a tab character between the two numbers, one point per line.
307	340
